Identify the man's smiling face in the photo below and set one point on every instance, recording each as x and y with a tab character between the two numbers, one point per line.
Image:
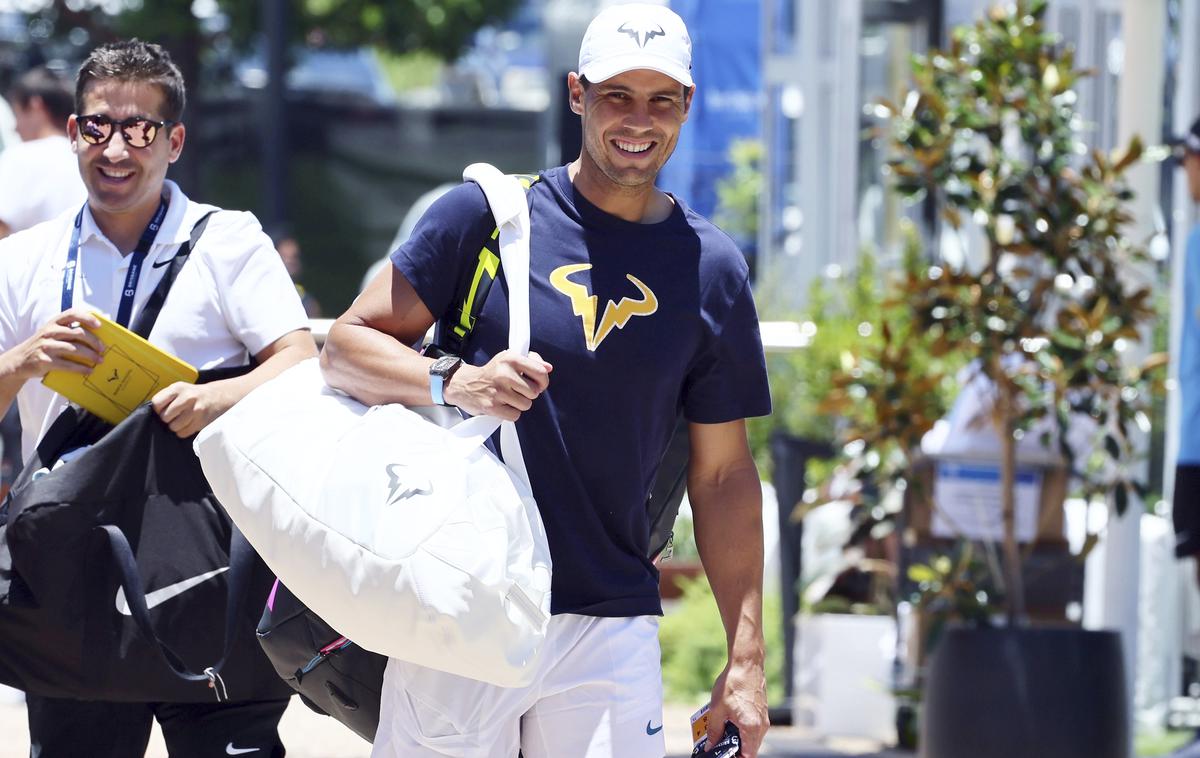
120	178
631	123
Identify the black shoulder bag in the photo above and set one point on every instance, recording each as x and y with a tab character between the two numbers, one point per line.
121	577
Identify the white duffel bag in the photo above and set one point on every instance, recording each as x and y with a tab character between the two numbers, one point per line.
411	539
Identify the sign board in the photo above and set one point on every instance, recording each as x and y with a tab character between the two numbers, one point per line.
967	503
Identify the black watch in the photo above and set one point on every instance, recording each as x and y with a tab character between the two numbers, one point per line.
439	373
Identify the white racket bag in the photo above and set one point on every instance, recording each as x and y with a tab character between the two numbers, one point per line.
411	539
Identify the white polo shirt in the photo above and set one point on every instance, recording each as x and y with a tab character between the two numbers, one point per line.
232	298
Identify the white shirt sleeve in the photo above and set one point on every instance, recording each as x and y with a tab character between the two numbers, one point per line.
258	299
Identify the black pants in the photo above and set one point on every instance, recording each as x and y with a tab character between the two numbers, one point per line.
76	728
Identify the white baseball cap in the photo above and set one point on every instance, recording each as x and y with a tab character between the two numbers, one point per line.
636	35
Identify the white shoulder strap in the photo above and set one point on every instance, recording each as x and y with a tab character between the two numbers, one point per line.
509	206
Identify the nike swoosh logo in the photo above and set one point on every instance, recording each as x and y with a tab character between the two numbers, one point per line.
653	731
231	750
160	596
160	264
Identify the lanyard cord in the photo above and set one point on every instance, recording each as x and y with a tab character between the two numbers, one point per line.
125	309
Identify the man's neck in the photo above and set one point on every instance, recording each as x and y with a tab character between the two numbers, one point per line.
639	205
125	229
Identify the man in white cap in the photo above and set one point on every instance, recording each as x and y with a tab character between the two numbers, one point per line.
641	309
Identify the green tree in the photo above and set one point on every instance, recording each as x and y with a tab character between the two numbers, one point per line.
1049	315
442	27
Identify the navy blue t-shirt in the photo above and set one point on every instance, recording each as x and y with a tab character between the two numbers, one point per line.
639	321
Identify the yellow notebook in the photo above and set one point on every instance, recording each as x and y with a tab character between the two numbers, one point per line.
130	372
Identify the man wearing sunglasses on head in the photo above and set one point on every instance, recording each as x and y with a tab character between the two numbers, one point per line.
232	300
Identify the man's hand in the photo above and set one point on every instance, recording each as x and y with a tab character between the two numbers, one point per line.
188	408
740	696
505	387
62	344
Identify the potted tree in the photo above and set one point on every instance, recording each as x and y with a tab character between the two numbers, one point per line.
1046	315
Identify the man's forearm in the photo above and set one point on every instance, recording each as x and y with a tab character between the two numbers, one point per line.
296	347
10	382
373	367
728	528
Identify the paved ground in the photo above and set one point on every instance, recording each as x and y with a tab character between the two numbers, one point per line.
308	735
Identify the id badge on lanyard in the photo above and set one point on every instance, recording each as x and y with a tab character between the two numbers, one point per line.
125	309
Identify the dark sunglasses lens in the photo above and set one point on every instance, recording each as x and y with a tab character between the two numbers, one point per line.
95	129
139	133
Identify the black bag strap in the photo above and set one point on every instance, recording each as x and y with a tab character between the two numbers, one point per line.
76	427
456	325
145	320
241	564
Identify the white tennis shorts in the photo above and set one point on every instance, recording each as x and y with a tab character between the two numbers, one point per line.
597	694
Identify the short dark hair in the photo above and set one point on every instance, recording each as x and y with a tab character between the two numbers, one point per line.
53	90
134	61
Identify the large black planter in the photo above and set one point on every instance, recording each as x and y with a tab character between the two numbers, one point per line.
1026	693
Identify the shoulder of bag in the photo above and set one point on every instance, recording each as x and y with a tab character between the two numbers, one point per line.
527	182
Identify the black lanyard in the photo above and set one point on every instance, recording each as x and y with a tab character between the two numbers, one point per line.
125	310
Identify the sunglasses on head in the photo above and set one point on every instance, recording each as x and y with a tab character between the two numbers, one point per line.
137	131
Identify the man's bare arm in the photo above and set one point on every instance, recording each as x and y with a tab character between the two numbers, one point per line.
188	408
368	355
726	499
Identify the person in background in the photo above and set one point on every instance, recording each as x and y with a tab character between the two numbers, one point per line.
39	178
289	252
1185	506
1186	503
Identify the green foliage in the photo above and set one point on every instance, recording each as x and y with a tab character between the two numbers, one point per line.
1159	743
955	588
683	540
410	71
831	322
738	192
867	378
693	645
990	129
442	28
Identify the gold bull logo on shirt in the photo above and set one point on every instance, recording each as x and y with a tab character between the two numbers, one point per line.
616	315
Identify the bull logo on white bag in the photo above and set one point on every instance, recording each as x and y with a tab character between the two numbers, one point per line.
404	482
